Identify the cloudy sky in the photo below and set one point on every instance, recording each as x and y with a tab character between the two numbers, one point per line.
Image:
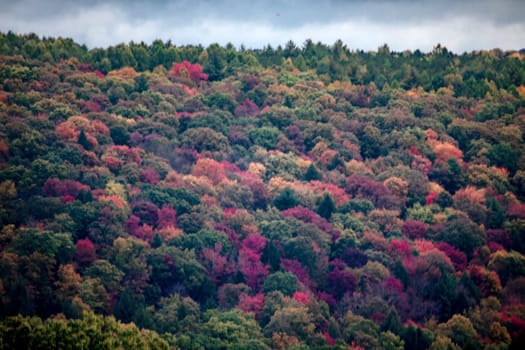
464	25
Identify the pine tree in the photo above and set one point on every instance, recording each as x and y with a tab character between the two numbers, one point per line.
326	206
312	173
83	141
286	199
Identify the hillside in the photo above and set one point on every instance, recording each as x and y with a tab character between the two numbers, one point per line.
312	197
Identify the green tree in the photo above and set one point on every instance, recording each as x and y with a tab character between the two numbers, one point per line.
461	331
229	330
294	320
284	282
391	341
326	206
215	63
463	234
286	199
176	314
265	136
119	134
504	155
83	141
204	139
312	173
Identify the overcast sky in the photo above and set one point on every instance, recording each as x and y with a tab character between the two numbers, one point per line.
460	25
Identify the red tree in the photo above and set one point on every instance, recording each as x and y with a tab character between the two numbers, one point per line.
297	269
301	297
150	176
401	247
85	251
166	216
57	187
250	265
247	109
414	229
218	266
251	303
192	71
458	258
307	215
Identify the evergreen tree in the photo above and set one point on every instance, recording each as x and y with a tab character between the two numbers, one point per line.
312	173
286	199
326	206
83	141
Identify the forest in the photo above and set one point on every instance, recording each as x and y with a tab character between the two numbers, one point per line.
310	196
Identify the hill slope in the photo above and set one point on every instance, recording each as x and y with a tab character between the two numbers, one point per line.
310	197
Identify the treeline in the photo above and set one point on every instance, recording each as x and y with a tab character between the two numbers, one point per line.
241	199
471	74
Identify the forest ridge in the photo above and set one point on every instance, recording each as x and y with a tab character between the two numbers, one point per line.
300	197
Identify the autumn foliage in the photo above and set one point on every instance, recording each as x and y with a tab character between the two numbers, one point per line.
305	197
187	70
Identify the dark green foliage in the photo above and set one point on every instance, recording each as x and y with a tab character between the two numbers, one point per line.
83	141
286	199
218	121
312	173
326	206
53	245
358	205
283	282
450	175
504	155
119	134
417	338
463	234
215	65
444	200
141	83
265	137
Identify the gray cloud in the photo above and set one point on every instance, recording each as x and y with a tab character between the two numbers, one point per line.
362	24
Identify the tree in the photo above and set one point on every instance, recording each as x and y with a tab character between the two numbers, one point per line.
414	229
284	282
265	136
461	331
83	141
176	315
215	63
247	109
391	341
312	173
508	265
293	320
340	282
326	206
286	199
85	251
504	155
120	135
56	246
463	234
204	139
250	265
217	265
449	174
229	330
90	331
187	70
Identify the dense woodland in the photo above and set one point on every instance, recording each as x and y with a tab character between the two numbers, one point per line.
299	197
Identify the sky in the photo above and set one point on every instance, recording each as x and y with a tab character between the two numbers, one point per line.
459	25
